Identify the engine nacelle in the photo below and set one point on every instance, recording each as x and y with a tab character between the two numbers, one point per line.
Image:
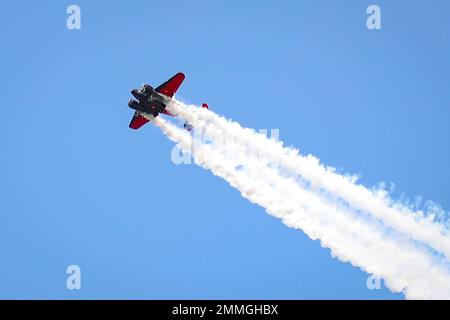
146	88
133	104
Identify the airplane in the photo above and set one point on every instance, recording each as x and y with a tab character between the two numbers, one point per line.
150	102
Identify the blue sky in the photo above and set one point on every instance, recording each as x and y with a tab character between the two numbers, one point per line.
79	187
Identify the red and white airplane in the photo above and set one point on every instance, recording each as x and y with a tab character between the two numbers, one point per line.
149	102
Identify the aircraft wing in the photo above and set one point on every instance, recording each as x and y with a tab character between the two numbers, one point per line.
171	86
137	121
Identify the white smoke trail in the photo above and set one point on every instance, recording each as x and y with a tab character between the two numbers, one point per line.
415	224
403	265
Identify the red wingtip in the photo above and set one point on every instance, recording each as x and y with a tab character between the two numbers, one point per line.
204	105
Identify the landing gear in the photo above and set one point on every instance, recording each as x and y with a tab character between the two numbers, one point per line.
187	126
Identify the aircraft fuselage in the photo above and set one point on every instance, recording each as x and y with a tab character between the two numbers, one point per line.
148	101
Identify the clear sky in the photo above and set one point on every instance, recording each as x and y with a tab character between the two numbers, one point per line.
79	187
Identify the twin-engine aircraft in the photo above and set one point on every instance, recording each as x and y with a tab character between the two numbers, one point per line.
149	102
